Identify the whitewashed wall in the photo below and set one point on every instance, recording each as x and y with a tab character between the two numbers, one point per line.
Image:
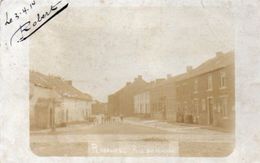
142	103
77	109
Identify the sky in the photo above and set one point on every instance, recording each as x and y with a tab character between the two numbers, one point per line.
101	48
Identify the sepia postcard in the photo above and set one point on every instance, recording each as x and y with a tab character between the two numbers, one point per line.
121	81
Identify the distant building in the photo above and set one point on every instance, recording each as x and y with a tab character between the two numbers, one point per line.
203	95
55	101
113	104
122	102
142	104
158	100
206	94
99	108
163	99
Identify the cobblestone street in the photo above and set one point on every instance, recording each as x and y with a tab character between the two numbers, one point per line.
132	137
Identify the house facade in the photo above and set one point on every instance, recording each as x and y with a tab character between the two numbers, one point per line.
99	108
113	104
206	94
42	103
55	102
142	104
122	102
76	109
158	100
163	99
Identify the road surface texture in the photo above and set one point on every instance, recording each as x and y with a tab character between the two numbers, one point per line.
132	138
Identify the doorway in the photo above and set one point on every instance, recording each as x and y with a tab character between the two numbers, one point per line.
210	110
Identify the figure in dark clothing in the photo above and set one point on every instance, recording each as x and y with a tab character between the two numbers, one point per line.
122	118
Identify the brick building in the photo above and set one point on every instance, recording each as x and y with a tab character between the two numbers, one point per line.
142	106
113	104
206	94
163	99
122	101
99	108
158	99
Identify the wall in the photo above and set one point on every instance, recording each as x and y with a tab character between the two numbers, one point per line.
163	101
36	93
142	103
99	108
76	109
187	96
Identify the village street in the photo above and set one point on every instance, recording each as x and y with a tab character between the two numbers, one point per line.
132	137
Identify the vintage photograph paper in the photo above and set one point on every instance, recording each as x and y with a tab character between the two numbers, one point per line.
118	80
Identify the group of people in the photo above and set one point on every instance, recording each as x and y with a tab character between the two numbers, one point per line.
104	119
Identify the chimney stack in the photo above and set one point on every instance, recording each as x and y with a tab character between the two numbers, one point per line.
128	83
139	77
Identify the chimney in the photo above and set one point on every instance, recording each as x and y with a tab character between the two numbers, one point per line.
68	82
139	77
128	83
189	68
219	54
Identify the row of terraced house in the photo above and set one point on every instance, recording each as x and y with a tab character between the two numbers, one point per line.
203	95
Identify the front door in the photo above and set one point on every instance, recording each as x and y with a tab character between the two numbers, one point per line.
51	118
210	111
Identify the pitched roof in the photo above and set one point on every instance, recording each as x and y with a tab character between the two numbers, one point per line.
131	85
220	61
58	84
42	103
39	79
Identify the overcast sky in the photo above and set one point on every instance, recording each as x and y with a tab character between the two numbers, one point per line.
100	49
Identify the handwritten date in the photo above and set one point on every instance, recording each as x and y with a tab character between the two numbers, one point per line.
30	27
17	15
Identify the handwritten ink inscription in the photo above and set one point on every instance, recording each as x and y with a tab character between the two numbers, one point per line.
16	16
28	28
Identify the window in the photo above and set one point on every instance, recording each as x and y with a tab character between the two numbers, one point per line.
210	82
203	104
196	106
195	85
223	106
222	80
